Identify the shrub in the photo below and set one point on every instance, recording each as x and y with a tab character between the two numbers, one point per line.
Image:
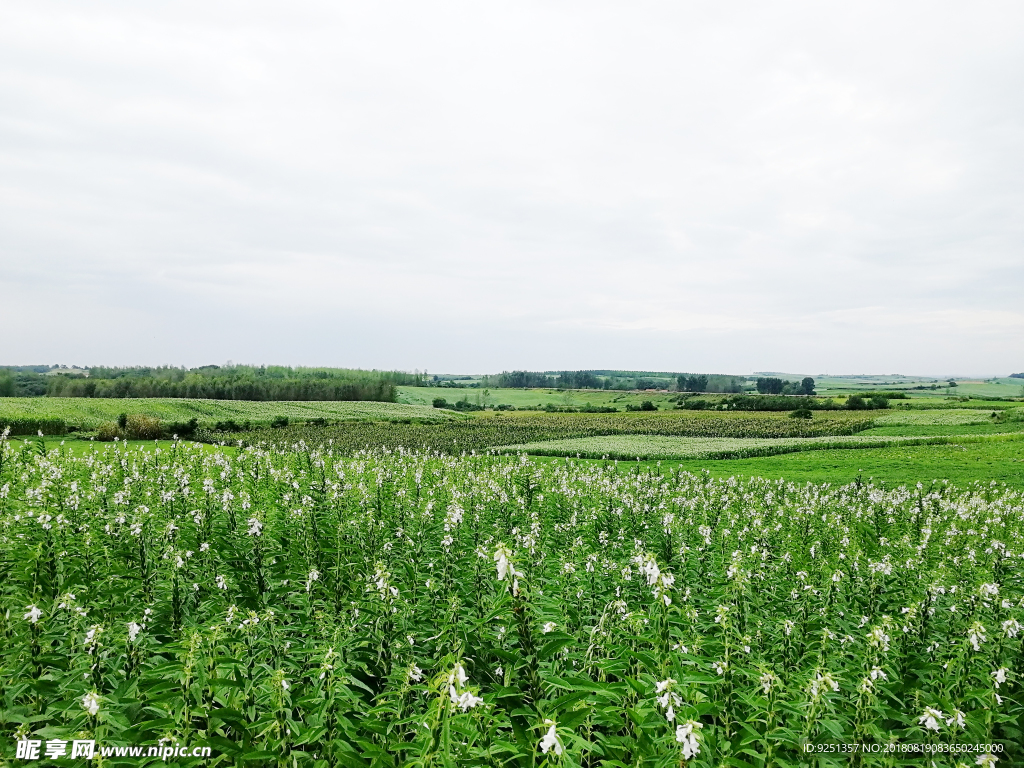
139	427
122	421
802	413
181	428
440	402
279	421
647	405
108	431
227	426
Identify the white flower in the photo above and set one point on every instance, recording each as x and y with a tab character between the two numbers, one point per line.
976	635
548	627
767	680
313	576
466	700
551	740
720	667
1000	676
91	703
651	570
221	583
255	526
931	719
986	759
33	614
501	561
1011	627
957	719
133	631
415	674
877	638
877	673
821	684
285	685
686	735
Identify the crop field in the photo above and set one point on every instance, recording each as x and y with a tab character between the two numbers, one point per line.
930	417
663	447
88	413
491	430
294	607
537	399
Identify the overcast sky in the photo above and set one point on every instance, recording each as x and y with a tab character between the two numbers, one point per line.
815	187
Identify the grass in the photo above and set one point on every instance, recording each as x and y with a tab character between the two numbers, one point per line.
960	463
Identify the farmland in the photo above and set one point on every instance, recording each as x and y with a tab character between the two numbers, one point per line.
89	413
308	607
664	447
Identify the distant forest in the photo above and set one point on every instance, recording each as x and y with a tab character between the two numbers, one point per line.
618	380
235	382
247	382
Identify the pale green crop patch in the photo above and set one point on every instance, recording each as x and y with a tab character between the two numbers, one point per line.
940	417
669	447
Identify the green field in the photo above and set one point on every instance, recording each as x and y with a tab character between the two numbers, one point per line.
536	399
87	413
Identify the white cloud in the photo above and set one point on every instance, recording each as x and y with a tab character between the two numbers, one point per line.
474	186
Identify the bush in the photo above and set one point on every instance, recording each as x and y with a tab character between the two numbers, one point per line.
108	431
694	405
139	427
802	413
181	428
440	402
279	421
647	405
859	403
227	426
122	421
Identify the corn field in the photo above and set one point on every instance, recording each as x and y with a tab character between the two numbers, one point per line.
292	606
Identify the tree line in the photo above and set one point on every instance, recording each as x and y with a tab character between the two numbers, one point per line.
211	382
614	380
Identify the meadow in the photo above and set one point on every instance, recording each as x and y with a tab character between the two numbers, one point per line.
298	606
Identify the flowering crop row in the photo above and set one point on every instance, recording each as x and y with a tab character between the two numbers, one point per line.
660	447
296	607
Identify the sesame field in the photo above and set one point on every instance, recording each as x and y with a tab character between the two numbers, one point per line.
307	605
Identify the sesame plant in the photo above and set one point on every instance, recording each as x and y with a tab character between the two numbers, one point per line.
293	606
